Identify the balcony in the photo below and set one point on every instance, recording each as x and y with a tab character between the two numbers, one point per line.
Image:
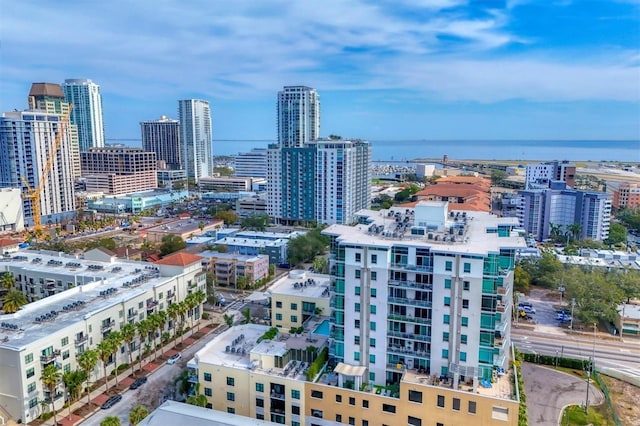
420	268
275	395
406	351
151	304
501	308
192	378
410	302
81	340
57	396
409	336
171	295
45	359
502	291
107	325
411	319
410	284
132	314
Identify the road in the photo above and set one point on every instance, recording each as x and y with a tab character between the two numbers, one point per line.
159	383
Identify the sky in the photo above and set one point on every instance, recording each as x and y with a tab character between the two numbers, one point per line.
385	69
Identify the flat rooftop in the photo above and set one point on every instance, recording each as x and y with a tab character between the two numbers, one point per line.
128	278
250	242
302	283
179	413
598	261
183	226
233	348
463	231
231	256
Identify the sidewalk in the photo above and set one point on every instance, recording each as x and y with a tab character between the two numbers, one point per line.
149	366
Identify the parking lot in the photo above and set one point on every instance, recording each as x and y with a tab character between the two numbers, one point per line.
545	312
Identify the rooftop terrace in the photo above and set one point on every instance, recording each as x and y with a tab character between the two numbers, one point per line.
302	283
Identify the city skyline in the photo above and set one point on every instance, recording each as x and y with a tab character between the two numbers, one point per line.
391	70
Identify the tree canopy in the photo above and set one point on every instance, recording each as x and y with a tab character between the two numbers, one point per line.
227	216
306	247
255	222
171	244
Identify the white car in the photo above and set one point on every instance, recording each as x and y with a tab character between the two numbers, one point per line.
529	309
174	358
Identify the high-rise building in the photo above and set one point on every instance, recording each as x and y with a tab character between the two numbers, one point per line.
540	176
298	116
196	137
540	211
87	112
163	137
49	97
625	195
252	163
26	140
119	170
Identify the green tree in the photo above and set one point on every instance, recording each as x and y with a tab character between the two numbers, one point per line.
137	414
227	216
255	222
171	244
223	170
105	349
199	297
544	270
320	265
630	217
13	301
628	281
306	247
197	400
144	327
73	381
88	360
574	231
128	332
174	312
7	281
51	375
110	421
617	234
497	176
182	312
521	279
555	231
115	339
228	319
161	323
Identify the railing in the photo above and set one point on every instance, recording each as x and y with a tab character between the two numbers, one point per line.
48	358
80	340
410	284
106	326
502	290
275	395
152	304
406	301
132	314
421	268
405	351
193	378
409	336
408	319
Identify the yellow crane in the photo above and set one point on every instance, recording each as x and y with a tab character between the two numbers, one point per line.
34	194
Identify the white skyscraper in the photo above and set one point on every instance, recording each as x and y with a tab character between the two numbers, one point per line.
298	116
87	112
26	139
195	137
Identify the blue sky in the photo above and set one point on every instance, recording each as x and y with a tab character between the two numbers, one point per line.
387	69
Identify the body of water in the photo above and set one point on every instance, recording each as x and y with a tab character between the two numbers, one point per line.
404	150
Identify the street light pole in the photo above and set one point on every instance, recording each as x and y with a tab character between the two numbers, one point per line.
573	303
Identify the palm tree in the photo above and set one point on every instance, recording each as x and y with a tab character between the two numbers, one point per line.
575	229
555	231
105	349
115	338
137	414
174	312
13	301
110	421
144	328
88	360
191	303
199	297
50	377
7	281
161	322
72	381
154	323
182	312
128	332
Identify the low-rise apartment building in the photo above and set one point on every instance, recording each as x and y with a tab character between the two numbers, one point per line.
228	267
101	297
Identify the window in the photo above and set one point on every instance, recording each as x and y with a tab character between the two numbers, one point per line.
466	285
278	317
294	306
358	257
374	258
294	423
448	265
209	406
463	339
231	410
295	394
356	323
259	387
208	392
258	416
231	381
140	305
465	321
31	372
207	377
294	318
465	303
31	387
365	422
259	402
472	407
447	301
356	340
447	283
441	401
463	356
352	420
357	273
295	409
356	356
66	368
445	336
374	276
372	342
231	396
28	358
372	377
446	318
372	309
372	326
372	358
65	354
445	353
456	404
316	394
388	408
373	292
467	267
278	304
64	341
414	421
33	402
365	403
415	396
352	401
338	398
357	307
339	418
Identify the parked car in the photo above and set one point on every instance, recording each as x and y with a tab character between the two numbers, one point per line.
111	401
138	382
525	304
174	358
529	309
560	316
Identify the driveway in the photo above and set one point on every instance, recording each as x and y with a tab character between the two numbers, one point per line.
549	391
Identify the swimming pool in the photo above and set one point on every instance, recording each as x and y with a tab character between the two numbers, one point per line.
322	328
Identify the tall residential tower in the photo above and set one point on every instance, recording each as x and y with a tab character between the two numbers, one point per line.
196	137
87	112
298	116
163	137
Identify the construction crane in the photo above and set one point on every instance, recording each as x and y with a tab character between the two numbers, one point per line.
34	194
